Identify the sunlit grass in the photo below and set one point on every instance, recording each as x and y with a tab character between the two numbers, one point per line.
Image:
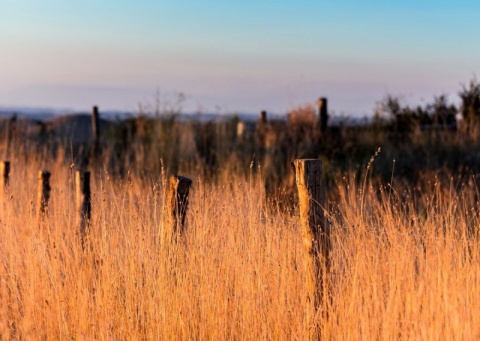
404	265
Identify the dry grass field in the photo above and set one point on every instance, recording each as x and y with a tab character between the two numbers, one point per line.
405	263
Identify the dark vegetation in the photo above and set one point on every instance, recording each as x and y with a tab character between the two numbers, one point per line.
437	139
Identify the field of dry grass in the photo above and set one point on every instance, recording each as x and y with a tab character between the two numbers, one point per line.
405	264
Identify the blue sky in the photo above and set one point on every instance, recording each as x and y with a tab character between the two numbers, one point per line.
241	56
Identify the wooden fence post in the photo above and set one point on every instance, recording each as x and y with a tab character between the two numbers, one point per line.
176	207
261	128
240	129
43	194
322	103
263	117
95	133
83	202
315	232
4	174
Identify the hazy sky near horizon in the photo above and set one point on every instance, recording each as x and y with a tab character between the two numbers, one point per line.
232	56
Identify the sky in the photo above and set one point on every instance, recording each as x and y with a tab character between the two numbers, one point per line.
235	56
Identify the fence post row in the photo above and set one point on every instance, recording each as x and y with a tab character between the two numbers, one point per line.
176	207
315	231
43	193
83	202
4	174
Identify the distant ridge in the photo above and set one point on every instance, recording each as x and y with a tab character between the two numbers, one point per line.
47	114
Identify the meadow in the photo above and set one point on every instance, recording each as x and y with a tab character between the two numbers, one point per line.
405	260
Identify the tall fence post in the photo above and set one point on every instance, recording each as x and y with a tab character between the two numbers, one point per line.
4	176
322	103
95	133
315	232
43	196
176	207
83	202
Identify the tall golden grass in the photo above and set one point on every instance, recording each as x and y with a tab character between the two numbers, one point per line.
405	264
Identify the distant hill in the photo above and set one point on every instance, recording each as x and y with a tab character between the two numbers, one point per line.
47	114
76	128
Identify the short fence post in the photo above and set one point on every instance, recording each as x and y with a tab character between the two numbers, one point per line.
83	202
95	133
240	129
43	193
316	234
176	207
4	174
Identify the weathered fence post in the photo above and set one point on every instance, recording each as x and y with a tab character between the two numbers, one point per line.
323	113
4	174
43	194
83	202
176	207
95	133
315	232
